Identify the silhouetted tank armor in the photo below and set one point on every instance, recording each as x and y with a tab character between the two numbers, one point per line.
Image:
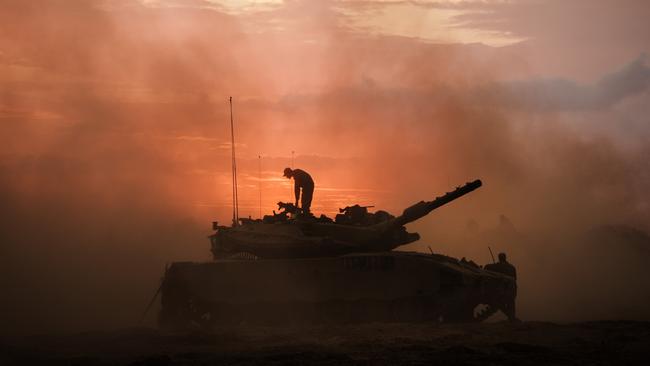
289	268
278	236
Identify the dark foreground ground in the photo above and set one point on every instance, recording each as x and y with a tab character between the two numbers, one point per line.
528	343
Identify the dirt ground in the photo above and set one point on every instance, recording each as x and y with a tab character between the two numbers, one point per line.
527	343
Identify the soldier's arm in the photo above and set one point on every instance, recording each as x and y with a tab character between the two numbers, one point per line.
296	191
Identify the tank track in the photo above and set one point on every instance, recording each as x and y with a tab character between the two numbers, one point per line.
194	313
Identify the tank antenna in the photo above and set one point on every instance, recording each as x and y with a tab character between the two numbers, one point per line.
235	198
491	255
259	173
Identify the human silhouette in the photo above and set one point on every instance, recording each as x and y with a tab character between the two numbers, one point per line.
302	181
505	267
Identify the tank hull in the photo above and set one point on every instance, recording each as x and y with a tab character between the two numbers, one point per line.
389	286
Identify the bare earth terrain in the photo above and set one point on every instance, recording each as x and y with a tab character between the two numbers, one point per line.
528	343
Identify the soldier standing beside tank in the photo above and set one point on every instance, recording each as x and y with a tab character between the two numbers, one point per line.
505	267
302	181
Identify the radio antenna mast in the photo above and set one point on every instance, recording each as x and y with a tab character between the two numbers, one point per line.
235	198
259	172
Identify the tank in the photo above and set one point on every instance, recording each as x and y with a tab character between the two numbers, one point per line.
292	268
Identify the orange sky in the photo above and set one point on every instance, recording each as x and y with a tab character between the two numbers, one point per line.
327	79
114	127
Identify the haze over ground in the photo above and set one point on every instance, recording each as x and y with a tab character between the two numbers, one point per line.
115	153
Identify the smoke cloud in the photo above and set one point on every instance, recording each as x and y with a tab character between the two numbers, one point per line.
115	154
562	95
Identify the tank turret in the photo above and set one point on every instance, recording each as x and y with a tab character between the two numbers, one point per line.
287	234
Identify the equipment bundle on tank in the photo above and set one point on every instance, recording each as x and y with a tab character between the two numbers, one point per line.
292	268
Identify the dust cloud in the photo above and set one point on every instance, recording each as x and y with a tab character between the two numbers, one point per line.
114	154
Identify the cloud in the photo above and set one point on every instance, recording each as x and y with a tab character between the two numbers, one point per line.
553	95
579	38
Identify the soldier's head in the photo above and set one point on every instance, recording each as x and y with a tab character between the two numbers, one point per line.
288	173
502	257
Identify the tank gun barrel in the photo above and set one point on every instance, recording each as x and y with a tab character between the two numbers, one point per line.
423	208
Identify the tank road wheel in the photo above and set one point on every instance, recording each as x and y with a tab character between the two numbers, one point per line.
173	313
458	314
340	312
200	314
403	310
484	311
188	313
414	309
171	319
468	313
